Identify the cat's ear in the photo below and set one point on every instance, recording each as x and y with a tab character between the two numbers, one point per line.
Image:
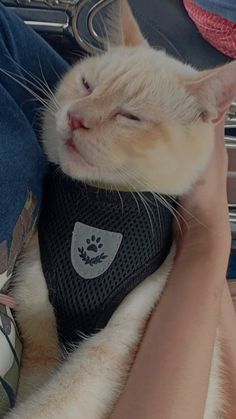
122	27
215	90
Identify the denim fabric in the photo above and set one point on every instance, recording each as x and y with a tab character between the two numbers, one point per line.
225	8
22	163
22	166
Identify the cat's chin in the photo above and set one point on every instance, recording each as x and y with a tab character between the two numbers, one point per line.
91	177
75	156
74	164
75	170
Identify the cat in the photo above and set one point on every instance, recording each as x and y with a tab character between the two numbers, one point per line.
131	117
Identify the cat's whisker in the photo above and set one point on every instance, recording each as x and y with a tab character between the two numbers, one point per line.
59	76
79	54
144	202
44	92
103	27
40	111
137	203
121	200
173	210
53	97
158	199
31	75
83	335
147	207
39	84
158	210
186	211
27	88
151	188
132	193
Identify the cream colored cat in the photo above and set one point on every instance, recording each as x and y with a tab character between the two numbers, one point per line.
140	120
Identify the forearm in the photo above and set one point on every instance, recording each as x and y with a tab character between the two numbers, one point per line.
169	378
228	334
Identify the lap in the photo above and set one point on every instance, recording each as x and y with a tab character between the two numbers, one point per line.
24	58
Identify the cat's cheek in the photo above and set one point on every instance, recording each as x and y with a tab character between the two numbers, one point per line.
71	169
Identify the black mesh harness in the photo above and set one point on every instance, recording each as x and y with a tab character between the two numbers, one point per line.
96	246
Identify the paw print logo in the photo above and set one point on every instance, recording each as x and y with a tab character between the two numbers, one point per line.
93	249
94	244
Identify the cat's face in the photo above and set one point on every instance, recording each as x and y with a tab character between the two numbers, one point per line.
135	118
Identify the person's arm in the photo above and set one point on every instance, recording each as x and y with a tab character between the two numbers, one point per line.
228	333
169	378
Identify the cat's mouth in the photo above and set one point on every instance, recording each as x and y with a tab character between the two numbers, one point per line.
75	152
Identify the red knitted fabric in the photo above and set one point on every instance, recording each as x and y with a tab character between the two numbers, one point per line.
218	31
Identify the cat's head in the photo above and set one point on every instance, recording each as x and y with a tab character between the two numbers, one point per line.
134	117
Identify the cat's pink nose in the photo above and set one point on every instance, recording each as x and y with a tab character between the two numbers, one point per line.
75	121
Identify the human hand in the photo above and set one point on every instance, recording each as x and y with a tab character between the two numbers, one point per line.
205	207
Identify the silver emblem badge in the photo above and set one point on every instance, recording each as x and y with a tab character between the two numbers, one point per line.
93	250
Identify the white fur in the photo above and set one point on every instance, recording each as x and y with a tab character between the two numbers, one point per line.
151	85
37	322
89	382
216	404
164	152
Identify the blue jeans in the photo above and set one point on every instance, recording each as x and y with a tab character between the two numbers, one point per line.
27	58
22	162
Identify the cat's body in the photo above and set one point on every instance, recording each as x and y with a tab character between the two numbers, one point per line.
135	119
89	382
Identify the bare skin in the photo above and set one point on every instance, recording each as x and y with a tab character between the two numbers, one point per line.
228	322
170	375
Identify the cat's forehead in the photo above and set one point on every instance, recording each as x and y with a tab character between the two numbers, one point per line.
133	68
128	62
136	78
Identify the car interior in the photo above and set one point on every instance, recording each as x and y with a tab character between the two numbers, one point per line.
76	28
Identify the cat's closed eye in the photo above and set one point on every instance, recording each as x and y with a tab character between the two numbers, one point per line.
129	116
86	85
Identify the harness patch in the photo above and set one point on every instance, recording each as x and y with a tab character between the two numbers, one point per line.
93	250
